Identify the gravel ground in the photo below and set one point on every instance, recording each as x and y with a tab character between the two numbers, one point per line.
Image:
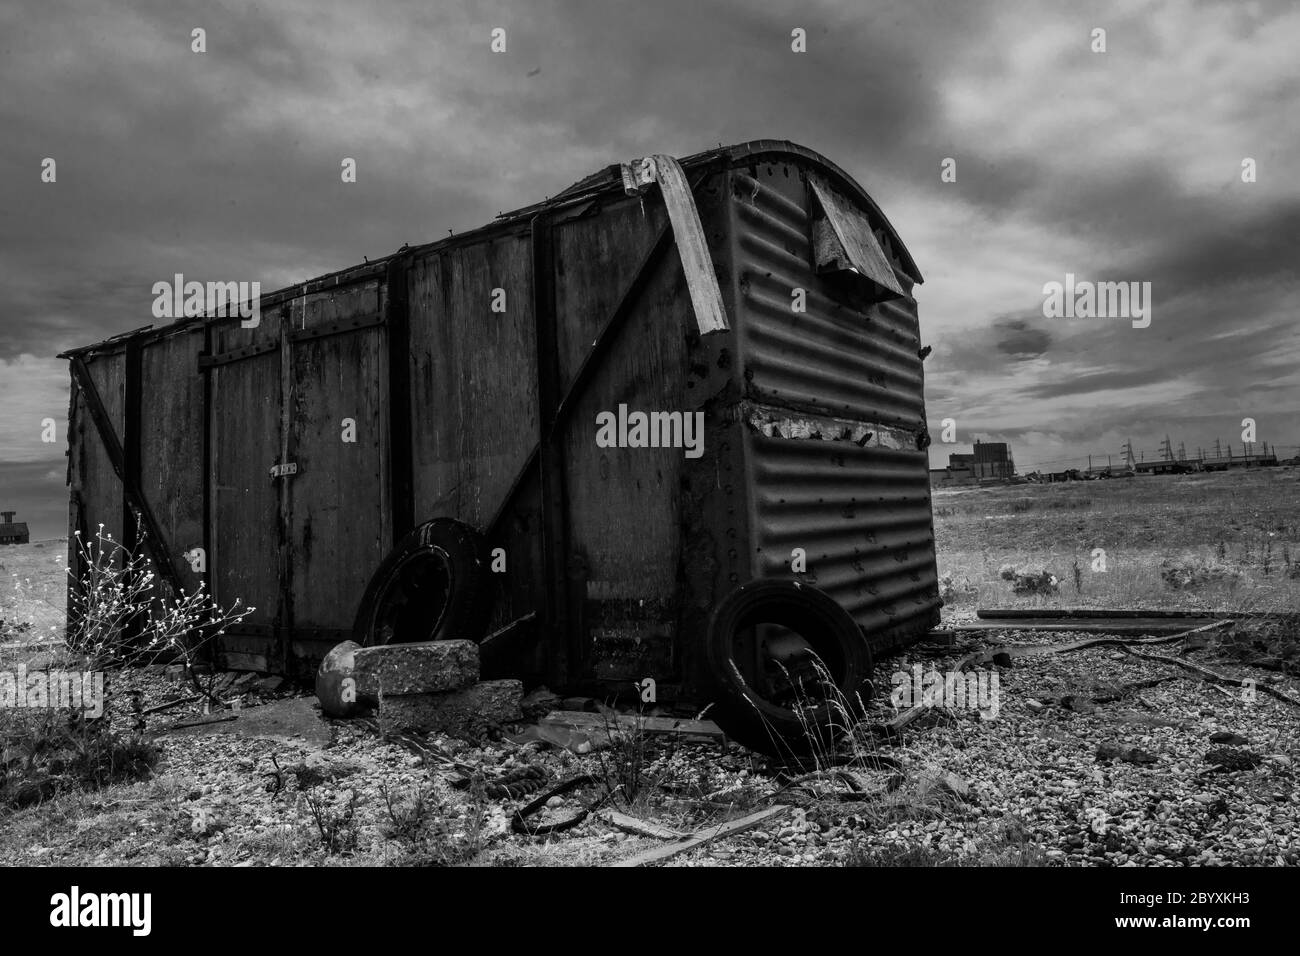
1026	787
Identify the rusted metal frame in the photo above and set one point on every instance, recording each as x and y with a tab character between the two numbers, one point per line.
401	459
566	655
158	548
225	358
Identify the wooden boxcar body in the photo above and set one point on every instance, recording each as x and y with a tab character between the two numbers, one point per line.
473	371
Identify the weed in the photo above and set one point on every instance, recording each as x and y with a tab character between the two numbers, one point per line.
119	615
433	831
336	826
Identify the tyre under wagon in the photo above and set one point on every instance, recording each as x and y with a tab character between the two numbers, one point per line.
616	560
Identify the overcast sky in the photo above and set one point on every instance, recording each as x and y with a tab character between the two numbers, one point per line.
1117	166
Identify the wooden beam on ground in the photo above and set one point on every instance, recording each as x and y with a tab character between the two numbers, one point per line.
1081	625
588	723
660	853
639	827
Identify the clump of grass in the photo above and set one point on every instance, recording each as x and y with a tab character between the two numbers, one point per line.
427	827
335	825
119	615
1008	843
623	763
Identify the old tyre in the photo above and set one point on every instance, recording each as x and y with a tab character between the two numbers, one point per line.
789	667
431	587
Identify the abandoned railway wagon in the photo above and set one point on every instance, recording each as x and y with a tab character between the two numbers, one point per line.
667	424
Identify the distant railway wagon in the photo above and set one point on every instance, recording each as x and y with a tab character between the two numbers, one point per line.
667	424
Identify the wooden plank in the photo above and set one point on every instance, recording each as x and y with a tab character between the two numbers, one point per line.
106	401
401	489
244	560
1084	626
100	423
565	644
688	234
659	854
474	405
616	494
638	827
600	723
171	427
850	230
338	519
1107	614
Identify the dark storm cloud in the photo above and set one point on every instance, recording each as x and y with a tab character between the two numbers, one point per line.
225	165
1018	339
36	491
1097	382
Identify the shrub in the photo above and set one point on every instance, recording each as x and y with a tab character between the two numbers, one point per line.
119	615
1029	580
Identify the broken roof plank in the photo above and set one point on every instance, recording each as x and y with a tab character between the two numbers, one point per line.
844	241
688	233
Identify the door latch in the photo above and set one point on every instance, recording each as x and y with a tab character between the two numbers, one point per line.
284	470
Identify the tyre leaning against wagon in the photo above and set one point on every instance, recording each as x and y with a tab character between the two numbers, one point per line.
432	586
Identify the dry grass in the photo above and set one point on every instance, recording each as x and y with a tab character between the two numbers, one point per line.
1220	541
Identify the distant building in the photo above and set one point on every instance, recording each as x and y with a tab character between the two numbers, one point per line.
12	532
993	460
988	460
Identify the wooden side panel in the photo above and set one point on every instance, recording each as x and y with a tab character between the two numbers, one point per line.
93	476
473	378
597	257
623	502
339	528
246	437
171	442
